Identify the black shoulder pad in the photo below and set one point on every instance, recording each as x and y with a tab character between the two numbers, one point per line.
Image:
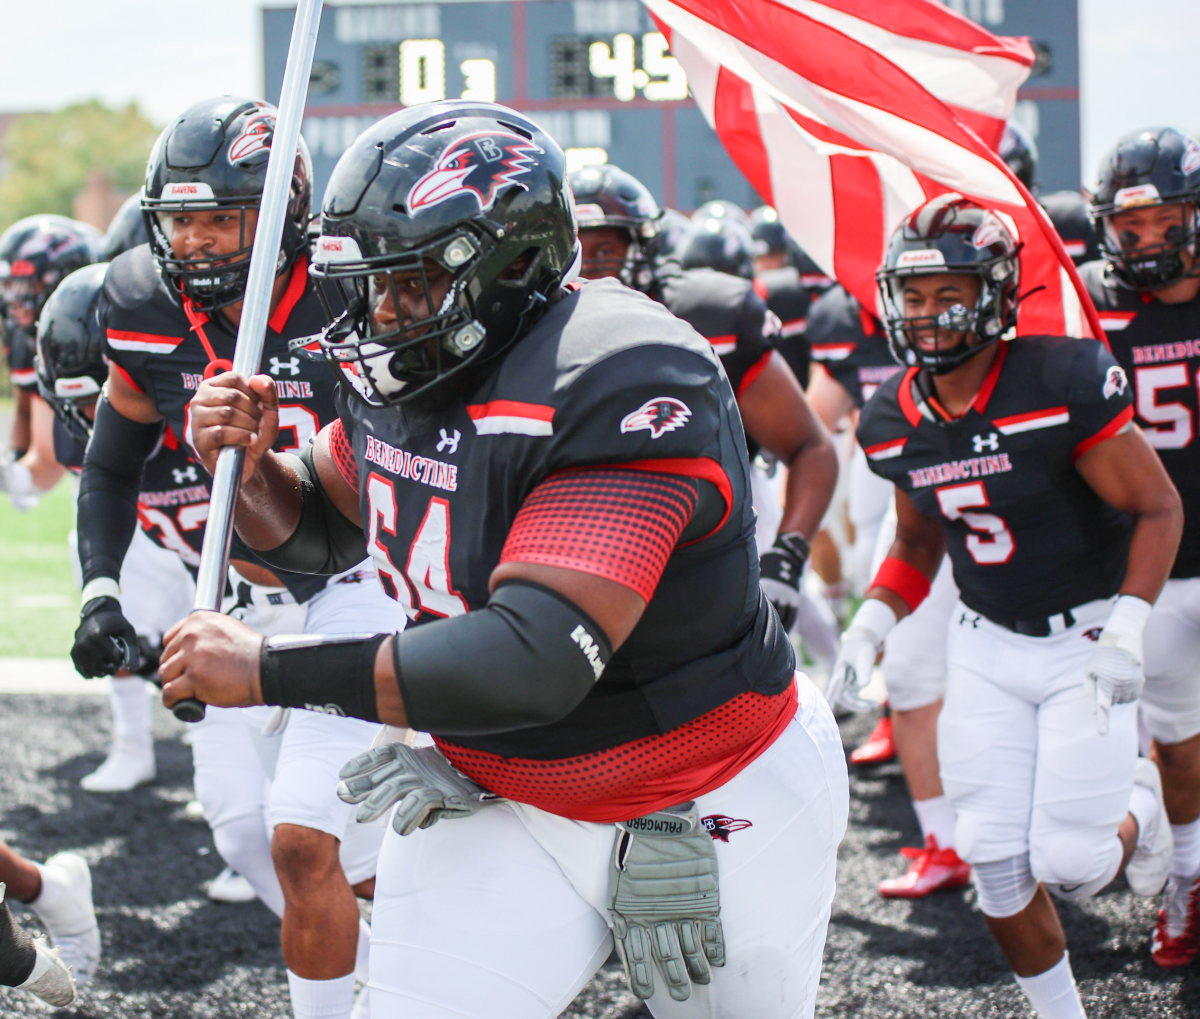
133	278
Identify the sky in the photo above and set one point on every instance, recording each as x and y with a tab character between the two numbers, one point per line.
1138	59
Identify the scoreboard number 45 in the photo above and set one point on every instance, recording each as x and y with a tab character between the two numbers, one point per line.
617	62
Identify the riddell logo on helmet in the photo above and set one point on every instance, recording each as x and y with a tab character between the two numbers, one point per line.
479	165
1142	194
927	256
255	137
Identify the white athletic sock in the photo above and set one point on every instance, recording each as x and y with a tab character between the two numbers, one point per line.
131	712
321	999
936	817
1186	860
1144	808
363	954
1052	994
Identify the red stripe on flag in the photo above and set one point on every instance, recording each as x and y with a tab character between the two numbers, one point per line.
859	227
737	127
918	19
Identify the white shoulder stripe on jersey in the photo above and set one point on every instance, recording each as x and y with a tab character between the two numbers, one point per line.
503	424
1031	422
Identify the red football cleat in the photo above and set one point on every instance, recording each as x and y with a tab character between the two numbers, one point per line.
931	870
1177	932
880	745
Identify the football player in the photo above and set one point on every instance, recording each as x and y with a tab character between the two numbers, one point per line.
59	891
156	587
1147	290
1068	210
37	253
1019	457
611	696
171	310
777	279
619	233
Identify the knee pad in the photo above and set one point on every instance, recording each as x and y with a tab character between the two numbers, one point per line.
1075	865
1004	887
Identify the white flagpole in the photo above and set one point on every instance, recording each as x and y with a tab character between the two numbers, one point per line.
256	309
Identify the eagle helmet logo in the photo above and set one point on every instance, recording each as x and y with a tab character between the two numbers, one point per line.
255	137
477	164
658	416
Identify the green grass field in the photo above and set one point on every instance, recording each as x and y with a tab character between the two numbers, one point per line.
39	602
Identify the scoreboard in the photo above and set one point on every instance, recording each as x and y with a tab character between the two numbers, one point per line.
596	74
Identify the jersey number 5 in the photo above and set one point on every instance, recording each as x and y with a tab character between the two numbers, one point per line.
424	584
992	542
1168	424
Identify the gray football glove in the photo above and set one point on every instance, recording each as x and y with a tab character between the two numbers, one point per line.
426	785
852	671
664	901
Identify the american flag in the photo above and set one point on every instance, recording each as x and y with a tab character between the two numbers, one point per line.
846	115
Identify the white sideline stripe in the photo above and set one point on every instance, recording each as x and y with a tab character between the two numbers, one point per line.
46	676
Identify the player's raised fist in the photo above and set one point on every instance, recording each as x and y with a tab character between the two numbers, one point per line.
229	410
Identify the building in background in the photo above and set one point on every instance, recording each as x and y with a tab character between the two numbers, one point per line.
597	75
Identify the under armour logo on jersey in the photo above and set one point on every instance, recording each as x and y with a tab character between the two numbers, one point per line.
449	441
991	442
291	366
973	620
721	827
658	416
184	476
1115	382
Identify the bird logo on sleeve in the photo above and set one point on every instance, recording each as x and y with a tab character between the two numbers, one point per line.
658	416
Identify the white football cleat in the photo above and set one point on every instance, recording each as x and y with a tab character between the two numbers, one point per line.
230	886
65	908
127	767
1150	864
51	978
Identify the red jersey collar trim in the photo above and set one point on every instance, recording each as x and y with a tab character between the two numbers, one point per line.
907	404
980	402
291	296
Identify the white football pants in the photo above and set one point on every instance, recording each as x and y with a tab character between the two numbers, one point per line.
283	765
1020	756
503	915
1171	698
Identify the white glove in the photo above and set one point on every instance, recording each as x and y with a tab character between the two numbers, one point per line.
17	480
861	644
1114	672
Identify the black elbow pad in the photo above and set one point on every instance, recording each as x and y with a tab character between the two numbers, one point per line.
525	660
324	542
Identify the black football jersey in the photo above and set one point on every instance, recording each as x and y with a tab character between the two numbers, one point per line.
164	353
1068	211
789	300
606	377
850	344
813	278
1026	535
19	350
727	312
173	504
1158	345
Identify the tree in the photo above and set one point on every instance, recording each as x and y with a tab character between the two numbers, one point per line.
50	156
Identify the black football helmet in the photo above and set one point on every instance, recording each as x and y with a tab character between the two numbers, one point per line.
721	209
607	196
214	156
721	244
38	252
70	349
673	227
1020	152
1157	166
770	237
950	234
127	229
471	189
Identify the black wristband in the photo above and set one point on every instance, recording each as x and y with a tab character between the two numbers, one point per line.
331	674
796	545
